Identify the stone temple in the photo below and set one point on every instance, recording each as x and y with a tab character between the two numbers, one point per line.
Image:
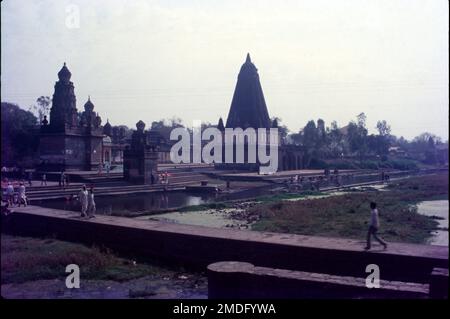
249	109
70	141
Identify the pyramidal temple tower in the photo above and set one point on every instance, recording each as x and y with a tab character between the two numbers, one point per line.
248	110
248	107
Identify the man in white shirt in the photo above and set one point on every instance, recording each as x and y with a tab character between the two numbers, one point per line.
10	194
83	197
373	226
22	196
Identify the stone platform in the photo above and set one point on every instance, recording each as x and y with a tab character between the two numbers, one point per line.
199	246
241	280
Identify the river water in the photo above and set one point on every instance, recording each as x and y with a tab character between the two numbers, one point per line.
132	203
438	208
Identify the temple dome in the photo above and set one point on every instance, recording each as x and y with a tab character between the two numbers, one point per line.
64	74
89	106
107	129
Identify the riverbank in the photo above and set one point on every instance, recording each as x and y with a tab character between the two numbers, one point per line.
35	268
347	215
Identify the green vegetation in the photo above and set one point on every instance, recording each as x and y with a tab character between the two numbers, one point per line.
25	259
279	197
347	215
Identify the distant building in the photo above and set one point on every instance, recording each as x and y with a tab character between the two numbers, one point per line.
397	151
70	141
162	145
114	143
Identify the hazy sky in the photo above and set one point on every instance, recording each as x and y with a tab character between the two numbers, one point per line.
158	59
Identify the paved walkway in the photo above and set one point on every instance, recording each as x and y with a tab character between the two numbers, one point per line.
338	244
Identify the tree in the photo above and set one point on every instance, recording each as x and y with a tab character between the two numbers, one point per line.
42	107
309	140
430	153
19	137
383	128
165	126
383	140
357	136
336	142
283	131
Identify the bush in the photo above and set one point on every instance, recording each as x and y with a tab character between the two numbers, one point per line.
368	165
318	164
403	164
342	165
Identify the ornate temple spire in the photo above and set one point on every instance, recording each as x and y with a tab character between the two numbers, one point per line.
107	128
63	111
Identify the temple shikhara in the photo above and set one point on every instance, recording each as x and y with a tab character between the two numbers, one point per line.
248	110
70	141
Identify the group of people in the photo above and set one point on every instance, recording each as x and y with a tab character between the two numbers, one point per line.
164	178
11	198
86	198
384	177
107	168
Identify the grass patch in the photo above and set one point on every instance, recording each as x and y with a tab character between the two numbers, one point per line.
280	197
347	215
25	259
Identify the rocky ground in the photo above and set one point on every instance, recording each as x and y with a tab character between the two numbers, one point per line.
183	286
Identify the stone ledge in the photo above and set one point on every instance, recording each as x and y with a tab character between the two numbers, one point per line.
231	279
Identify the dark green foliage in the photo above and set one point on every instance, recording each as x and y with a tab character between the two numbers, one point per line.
19	134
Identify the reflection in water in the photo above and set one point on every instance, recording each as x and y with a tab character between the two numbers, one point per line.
208	218
146	202
132	203
438	208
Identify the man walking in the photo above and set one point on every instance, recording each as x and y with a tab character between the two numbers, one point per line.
62	178
44	180
373	227
83	197
30	178
91	203
108	167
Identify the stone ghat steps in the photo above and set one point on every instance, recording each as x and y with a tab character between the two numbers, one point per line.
111	182
105	189
79	177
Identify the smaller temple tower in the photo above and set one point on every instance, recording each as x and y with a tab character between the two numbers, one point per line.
140	162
